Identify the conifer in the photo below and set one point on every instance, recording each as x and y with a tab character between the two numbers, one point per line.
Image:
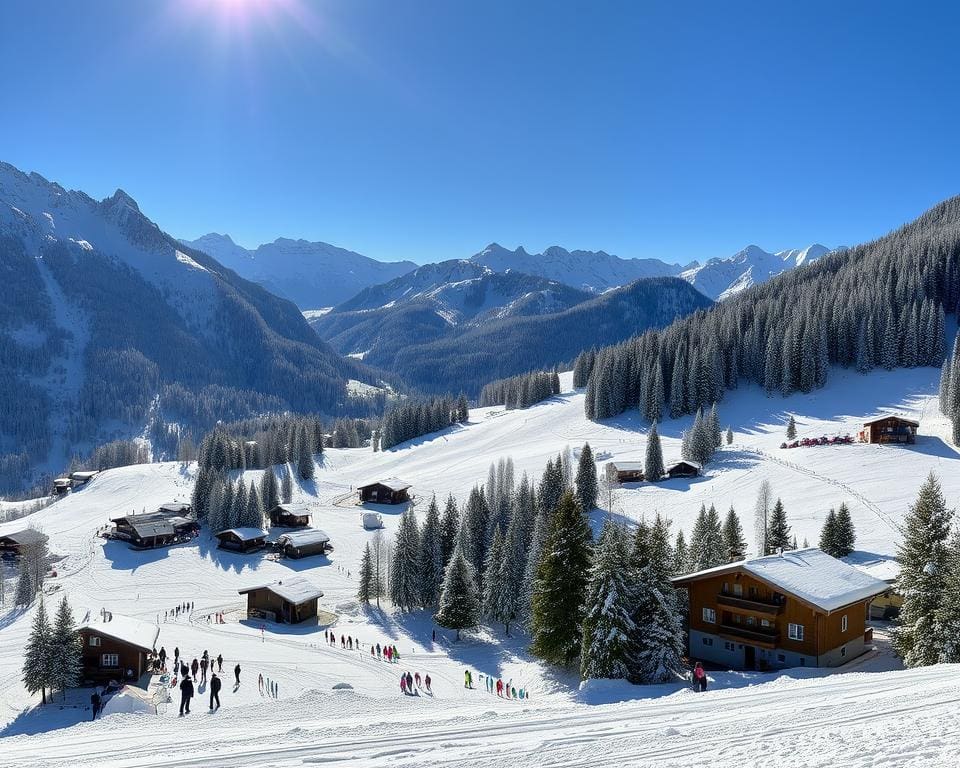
778	532
459	604
586	480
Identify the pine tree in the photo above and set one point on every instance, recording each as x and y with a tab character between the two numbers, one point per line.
681	555
924	567
561	584
286	486
431	557
493	585
846	536
305	468
269	490
733	541
66	664
463	409
828	534
729	436
365	588
475	526
449	527
39	654
778	533
253	517
947	618
586	480
508	602
713	427
238	511
459	604
791	428
609	632
404	571
653	469
26	585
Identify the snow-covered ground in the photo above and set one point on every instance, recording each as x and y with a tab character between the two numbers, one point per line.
808	718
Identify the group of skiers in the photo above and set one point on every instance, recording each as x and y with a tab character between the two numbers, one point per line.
388	652
174	613
408	681
346	642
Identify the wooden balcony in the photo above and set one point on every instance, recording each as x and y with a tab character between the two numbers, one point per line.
765	638
752	604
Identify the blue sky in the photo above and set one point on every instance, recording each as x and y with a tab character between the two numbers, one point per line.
424	130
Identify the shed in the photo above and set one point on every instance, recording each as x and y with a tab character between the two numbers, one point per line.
291	600
15	543
625	471
290	516
303	543
388	491
61	485
242	539
117	649
889	429
683	468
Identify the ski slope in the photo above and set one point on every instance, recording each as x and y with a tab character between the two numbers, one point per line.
796	715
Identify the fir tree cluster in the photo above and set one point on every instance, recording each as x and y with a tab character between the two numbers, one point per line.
838	536
52	660
224	503
261	443
521	391
703	438
950	390
413	418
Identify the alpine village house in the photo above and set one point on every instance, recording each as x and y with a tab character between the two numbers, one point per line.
801	608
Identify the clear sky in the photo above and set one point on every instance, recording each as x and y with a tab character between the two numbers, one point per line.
426	129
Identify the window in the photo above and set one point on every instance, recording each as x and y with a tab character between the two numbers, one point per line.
738	590
751	621
781	658
753	592
94	640
728	646
110	660
737	618
708	641
843	651
843	623
795	631
766	623
710	615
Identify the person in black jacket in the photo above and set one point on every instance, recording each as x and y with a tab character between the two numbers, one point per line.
236	671
186	693
95	703
214	690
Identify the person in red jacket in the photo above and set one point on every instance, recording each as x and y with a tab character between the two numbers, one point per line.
699	678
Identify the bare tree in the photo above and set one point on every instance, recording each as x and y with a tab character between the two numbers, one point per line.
762	516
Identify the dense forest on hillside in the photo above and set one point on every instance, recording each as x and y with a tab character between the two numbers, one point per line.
881	304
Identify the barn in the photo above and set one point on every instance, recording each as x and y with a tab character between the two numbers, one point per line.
118	649
303	543
389	491
625	471
889	429
290	600
15	543
242	540
683	468
290	516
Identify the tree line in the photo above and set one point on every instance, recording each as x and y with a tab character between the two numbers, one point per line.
950	390
410	419
521	391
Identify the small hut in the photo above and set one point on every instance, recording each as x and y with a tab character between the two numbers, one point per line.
62	485
303	543
242	540
625	471
290	516
291	600
683	468
15	543
389	491
889	429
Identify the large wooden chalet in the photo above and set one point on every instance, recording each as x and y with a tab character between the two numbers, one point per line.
291	600
118	649
890	429
388	491
166	526
290	516
15	543
800	609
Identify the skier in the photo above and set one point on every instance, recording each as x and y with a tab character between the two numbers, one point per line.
426	682
395	654
203	670
214	690
403	684
416	679
219	662
466	678
699	678
409	682
499	687
95	703
236	671
186	693
378	650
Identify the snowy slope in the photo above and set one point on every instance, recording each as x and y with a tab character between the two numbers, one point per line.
796	716
721	278
311	274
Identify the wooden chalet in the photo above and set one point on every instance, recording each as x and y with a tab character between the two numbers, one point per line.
177	508
83	477
290	516
119	649
290	600
15	543
154	529
886	606
303	543
798	609
62	485
889	429
242	540
625	471
683	468
389	491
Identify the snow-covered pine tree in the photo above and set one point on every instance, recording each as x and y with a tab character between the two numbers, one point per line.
609	632
238	511
431	556
459	603
586	481
449	527
551	488
653	469
714	550
828	534
404	570
681	555
463	409
269	489
560	587
734	543
713	425
475	528
947	619
845	532
698	537
508	602
924	567
286	485
538	543
791	428
778	533
201	490
66	663
26	584
305	468
761	516
215	510
493	585
365	577
729	435
253	517
38	655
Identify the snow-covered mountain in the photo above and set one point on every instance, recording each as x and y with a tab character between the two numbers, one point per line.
312	275
107	322
723	277
594	271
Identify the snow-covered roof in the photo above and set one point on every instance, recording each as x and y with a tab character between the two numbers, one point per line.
892	416
304	538
393	483
293	589
26	536
293	509
147	528
141	634
879	566
807	574
628	466
174	507
677	463
245	534
86	475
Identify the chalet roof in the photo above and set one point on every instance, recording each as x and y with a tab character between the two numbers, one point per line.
628	466
677	463
244	534
26	536
293	509
62	481
303	538
146	529
393	483
911	422
810	575
174	507
141	634
880	567
84	475
293	589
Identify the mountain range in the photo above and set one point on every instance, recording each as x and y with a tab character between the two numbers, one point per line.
722	278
